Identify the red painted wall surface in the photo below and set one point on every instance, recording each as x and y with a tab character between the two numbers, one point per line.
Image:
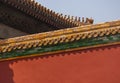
99	65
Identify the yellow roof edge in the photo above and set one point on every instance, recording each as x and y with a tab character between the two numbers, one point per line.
61	32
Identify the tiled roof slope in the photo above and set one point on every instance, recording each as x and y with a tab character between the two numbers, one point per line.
40	12
60	36
81	37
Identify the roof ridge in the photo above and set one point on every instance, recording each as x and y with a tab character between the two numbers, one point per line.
49	16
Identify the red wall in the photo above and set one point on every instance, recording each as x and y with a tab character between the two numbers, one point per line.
100	65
